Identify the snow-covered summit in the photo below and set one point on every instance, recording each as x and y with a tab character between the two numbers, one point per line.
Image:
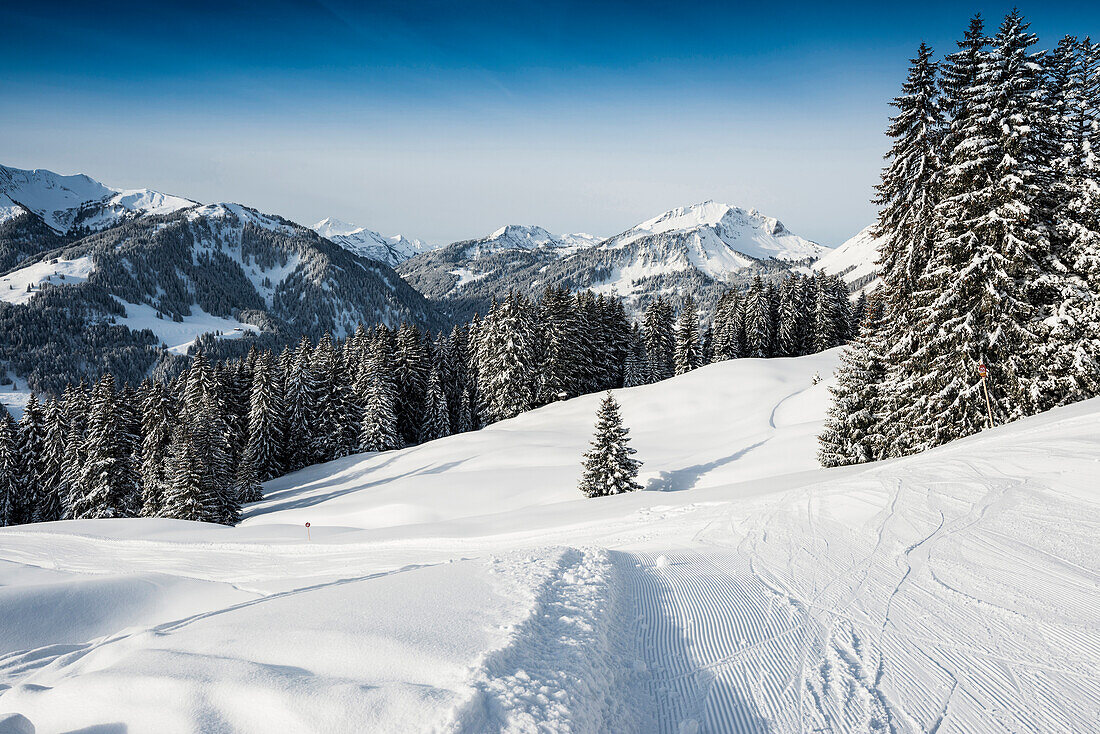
65	201
722	230
856	261
362	241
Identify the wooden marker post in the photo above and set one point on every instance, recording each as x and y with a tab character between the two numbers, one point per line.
985	388
307	532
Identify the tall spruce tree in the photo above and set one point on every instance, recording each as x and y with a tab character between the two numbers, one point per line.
264	447
9	467
660	341
689	354
608	466
108	483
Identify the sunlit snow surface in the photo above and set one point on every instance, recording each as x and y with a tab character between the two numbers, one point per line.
465	585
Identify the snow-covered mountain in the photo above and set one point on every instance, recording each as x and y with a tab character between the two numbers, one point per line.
94	278
466	585
66	202
392	250
855	261
719	238
697	249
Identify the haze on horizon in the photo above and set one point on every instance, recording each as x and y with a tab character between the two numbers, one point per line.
444	121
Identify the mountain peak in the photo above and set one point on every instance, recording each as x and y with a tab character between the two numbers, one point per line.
62	201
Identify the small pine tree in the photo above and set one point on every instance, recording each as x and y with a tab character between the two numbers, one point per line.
608	468
852	434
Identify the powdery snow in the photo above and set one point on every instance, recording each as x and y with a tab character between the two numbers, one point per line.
465	585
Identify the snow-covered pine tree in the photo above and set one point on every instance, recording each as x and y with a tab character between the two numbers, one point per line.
728	327
455	374
559	369
830	319
635	371
185	497
108	482
791	326
853	429
246	483
608	466
327	429
76	406
974	300
30	444
758	336
9	467
264	446
300	389
157	420
1070	352
506	374
51	503
379	427
660	342
688	353
436	421
411	371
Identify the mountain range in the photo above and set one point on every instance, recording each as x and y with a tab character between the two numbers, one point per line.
93	276
698	250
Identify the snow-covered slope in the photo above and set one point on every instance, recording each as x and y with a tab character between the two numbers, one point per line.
64	202
368	243
855	261
465	585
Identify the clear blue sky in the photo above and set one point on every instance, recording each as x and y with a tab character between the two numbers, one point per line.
446	120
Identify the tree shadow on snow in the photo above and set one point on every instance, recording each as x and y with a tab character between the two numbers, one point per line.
311	494
686	478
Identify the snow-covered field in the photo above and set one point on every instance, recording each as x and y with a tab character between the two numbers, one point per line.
465	585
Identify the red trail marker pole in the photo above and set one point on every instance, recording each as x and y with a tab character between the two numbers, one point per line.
307	532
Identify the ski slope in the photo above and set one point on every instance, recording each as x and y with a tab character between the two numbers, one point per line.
465	585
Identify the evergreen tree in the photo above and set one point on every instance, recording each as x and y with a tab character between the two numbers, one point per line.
608	466
635	371
411	370
758	336
973	300
688	353
9	468
51	503
436	421
108	482
158	418
30	451
264	447
185	497
379	427
660	342
506	373
852	432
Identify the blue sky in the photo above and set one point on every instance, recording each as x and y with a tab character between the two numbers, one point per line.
447	120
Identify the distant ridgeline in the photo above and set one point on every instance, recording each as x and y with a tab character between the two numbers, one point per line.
990	254
197	445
